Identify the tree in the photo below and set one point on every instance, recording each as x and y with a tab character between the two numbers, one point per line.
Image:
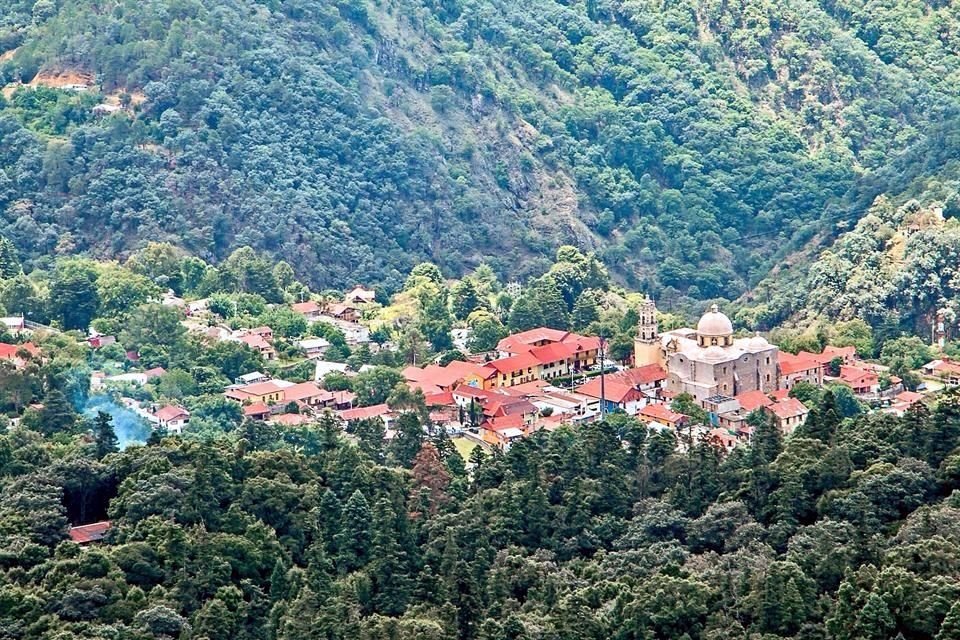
465	299
161	263
353	537
154	326
435	323
57	414
121	290
431	478
408	439
374	385
854	333
9	262
74	299
524	314
585	310
233	359
905	354
486	331
20	297
104	435
550	304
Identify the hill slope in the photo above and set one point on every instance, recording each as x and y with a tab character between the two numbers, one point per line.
693	144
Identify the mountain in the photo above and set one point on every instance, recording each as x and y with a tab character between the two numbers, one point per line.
694	145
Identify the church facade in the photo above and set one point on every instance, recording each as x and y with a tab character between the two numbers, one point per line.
706	361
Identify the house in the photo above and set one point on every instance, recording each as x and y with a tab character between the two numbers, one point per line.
505	430
353	332
310	310
847	355
342	311
434	377
616	396
360	295
723	438
788	413
259	344
19	354
314	347
803	367
342	400
903	401
87	533
256	411
648	378
750	401
381	411
97	341
583	354
307	393
14	324
324	368
862	381
252	377
173	419
291	419
269	392
517	369
946	369
264	332
658	415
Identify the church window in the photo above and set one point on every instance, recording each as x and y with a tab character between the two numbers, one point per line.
724	370
768	377
768	360
713	341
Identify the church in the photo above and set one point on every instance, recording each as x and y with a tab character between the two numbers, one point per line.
706	361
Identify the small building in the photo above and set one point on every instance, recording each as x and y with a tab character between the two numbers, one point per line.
360	295
89	533
658	415
256	411
259	344
945	369
803	367
310	310
616	396
862	381
342	311
252	378
172	419
314	347
19	354
788	413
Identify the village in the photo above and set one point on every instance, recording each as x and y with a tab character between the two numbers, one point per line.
697	383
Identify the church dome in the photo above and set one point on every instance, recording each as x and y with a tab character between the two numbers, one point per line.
714	353
714	324
758	342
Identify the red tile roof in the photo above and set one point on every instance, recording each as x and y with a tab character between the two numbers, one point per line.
858	377
362	413
554	352
519	362
910	397
639	376
790	363
156	372
171	412
290	419
520	342
788	408
87	533
753	400
256	409
504	422
306	307
661	413
305	391
613	391
9	351
442	399
779	394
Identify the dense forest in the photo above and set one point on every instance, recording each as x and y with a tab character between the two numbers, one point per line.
847	530
694	145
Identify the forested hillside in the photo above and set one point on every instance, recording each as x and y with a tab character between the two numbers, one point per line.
694	144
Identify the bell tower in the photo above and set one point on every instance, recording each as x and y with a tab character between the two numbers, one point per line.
646	346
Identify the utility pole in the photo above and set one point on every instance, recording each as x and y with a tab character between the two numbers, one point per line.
603	373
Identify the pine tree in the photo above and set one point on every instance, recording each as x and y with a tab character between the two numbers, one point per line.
875	621
950	628
432	476
328	521
353	538
388	568
104	435
767	440
9	263
57	414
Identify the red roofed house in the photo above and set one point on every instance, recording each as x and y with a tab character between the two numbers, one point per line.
847	354
723	438
647	378
12	353
360	295
259	344
434	377
342	311
310	310
505	430
172	418
516	369
616	396
585	349
87	533
268	392
789	414
256	411
662	416
803	367
381	411
945	369
862	382
308	393
753	400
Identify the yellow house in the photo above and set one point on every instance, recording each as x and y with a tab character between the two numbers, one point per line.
515	370
266	392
